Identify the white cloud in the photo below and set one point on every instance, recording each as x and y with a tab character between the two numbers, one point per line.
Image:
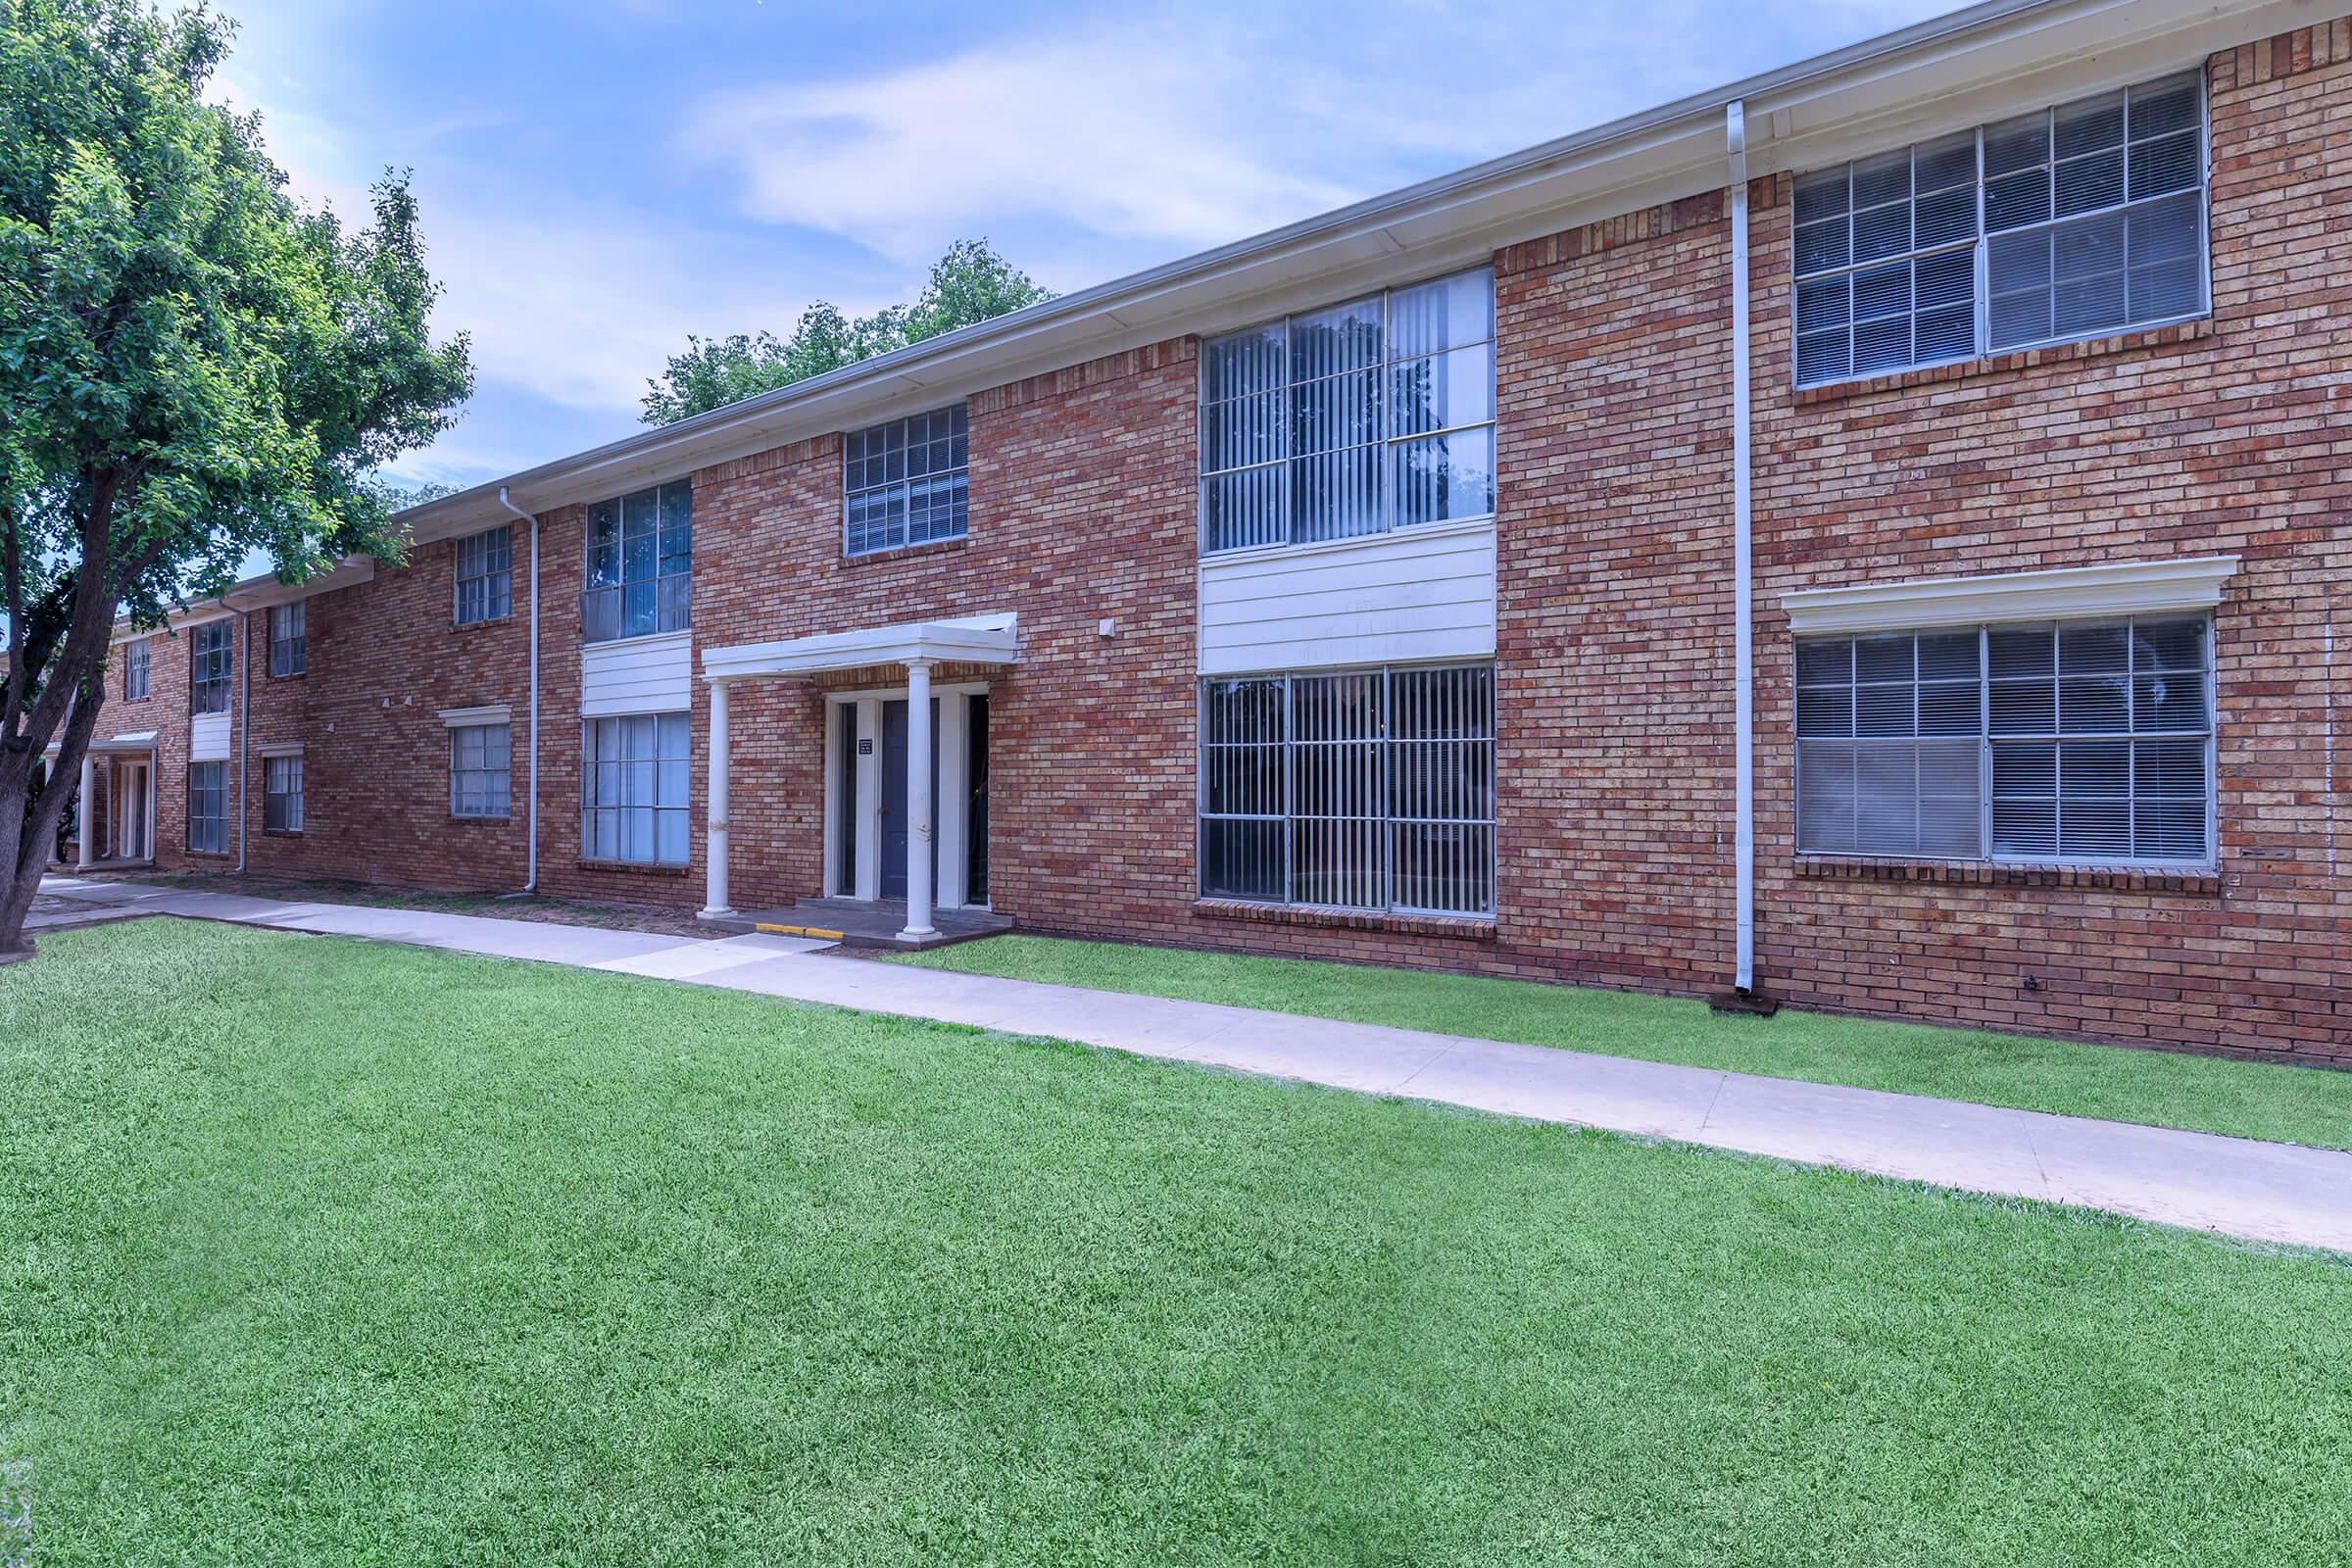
1125	132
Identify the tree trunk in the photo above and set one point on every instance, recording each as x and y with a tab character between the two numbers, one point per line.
38	828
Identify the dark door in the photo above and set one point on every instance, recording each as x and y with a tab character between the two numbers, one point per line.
894	818
975	869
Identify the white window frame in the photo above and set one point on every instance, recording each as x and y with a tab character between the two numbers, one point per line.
1980	244
1383	827
503	773
281	805
594	732
958	508
1989	741
289	650
212	643
135	670
1390	440
671	591
494	582
217	792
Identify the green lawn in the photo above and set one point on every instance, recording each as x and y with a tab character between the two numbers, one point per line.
320	1251
2247	1100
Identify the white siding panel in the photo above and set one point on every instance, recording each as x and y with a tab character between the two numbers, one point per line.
637	675
1416	594
208	738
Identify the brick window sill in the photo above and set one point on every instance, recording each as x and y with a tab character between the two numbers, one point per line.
1462	929
929	547
454	820
462	626
281	832
2178	334
2193	884
637	867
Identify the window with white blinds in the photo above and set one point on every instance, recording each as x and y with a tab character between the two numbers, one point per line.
1365	790
1370	416
2061	225
2075	743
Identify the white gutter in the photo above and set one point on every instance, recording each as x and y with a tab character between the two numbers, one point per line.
531	842
1743	652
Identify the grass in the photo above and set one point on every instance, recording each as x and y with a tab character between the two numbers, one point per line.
323	1251
2163	1089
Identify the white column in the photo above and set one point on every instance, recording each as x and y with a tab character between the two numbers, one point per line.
918	801
715	843
86	850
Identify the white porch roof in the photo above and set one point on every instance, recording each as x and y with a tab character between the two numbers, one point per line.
143	741
973	640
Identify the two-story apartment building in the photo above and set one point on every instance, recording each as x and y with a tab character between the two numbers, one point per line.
1874	536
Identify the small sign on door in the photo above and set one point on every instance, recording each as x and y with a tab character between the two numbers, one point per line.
865	747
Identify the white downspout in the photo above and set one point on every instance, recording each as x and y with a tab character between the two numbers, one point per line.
1743	652
244	725
531	844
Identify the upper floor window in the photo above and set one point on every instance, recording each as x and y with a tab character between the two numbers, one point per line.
2068	743
2061	224
208	663
640	564
288	652
134	672
485	577
1370	416
903	483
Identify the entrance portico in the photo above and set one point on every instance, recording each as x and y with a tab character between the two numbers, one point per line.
885	730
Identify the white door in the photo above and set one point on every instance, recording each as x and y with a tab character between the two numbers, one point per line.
131	834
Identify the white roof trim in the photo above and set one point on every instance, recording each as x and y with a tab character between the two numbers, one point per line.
974	639
279	748
2135	588
468	717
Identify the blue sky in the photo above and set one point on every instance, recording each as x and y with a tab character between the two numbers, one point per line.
601	178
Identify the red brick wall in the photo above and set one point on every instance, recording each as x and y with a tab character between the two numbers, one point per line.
1614	633
2185	444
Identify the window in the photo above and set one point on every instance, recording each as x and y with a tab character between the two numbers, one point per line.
2064	224
485	577
1370	416
134	672
281	794
640	564
208	807
902	483
1370	789
208	663
633	788
2079	742
287	654
478	771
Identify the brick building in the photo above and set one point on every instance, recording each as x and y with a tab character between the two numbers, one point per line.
1401	586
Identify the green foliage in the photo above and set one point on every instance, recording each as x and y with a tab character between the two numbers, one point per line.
193	368
969	284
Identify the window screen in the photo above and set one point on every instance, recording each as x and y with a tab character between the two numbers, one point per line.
478	770
485	577
905	482
289	653
281	794
633	788
2066	743
640	565
1374	415
208	807
209	664
2064	224
1367	789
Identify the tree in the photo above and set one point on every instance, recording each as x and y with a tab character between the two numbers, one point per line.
192	368
969	284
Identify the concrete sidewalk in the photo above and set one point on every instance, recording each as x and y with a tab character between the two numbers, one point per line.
2238	1187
